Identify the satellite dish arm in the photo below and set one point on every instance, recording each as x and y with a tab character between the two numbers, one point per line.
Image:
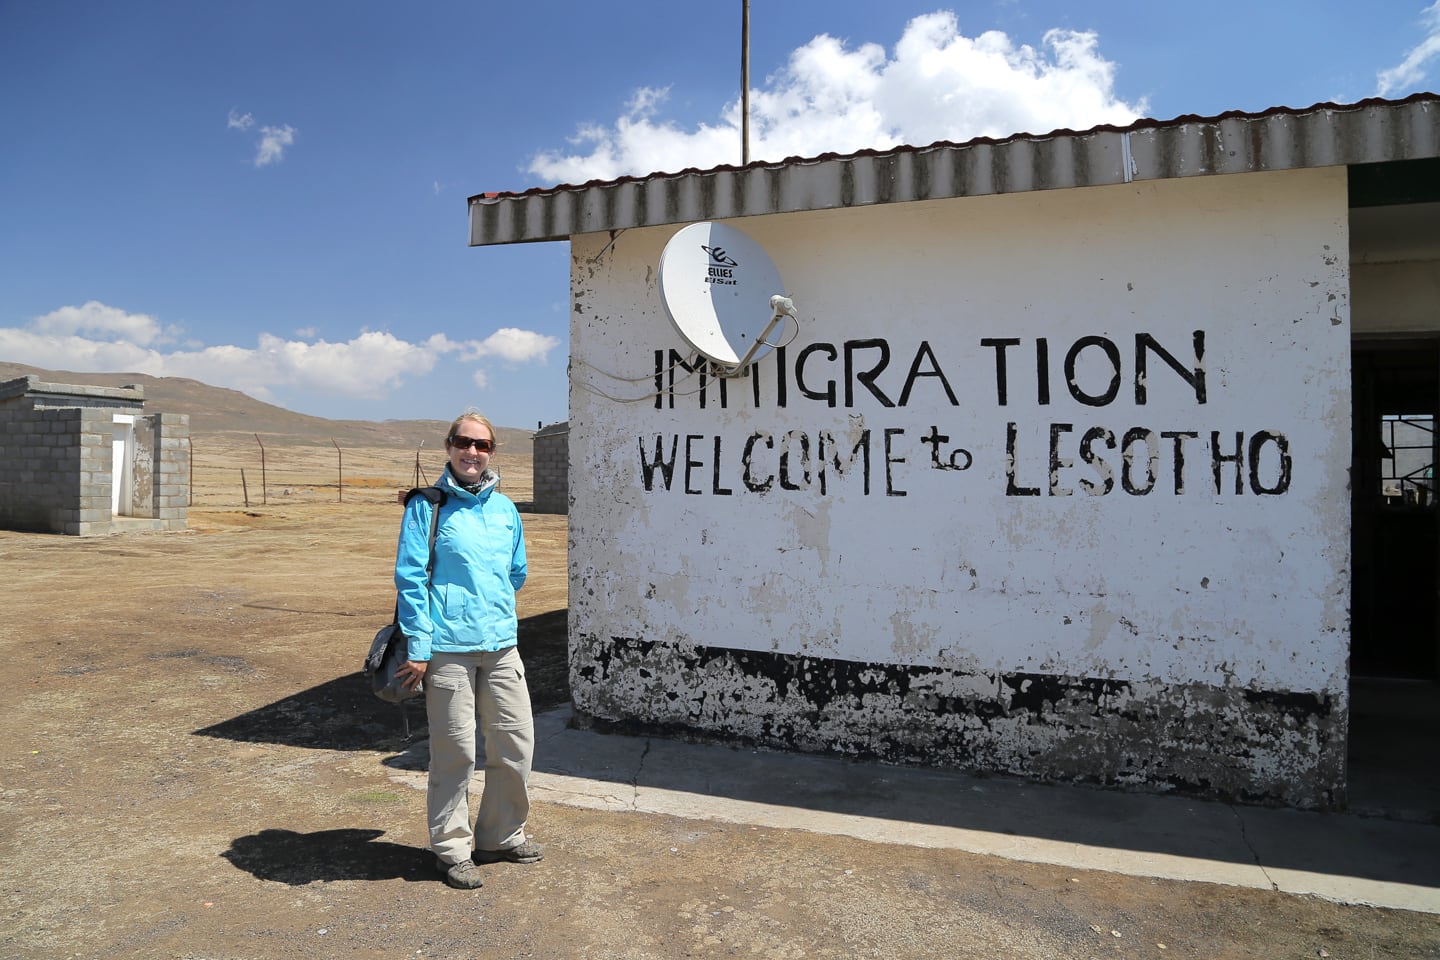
783	307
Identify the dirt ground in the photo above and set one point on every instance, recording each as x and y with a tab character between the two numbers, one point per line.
192	768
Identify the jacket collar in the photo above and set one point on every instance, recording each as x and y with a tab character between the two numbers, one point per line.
489	480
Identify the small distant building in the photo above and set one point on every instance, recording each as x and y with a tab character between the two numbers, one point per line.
552	468
87	460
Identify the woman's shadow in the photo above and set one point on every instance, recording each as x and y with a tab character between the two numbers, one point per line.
300	858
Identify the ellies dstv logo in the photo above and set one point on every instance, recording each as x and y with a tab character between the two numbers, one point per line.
722	266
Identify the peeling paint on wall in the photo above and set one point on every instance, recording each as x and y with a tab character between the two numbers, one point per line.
1211	741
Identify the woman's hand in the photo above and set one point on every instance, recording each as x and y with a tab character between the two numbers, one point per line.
411	672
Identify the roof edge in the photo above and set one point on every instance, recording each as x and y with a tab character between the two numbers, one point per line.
1280	138
34	386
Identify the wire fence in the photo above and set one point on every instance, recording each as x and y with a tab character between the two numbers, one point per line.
267	474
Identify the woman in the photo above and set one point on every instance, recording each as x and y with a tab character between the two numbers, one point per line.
461	629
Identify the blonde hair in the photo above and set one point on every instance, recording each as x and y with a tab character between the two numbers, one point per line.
474	417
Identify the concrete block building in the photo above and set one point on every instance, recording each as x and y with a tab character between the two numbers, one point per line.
87	460
1072	470
552	468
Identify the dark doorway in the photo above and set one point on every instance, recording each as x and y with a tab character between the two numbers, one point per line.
1394	542
1394	747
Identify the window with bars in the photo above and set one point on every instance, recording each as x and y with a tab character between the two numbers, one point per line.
1407	463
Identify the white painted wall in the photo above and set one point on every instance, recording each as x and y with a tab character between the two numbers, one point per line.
945	569
122	459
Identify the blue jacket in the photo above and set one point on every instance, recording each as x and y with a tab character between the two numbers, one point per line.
479	564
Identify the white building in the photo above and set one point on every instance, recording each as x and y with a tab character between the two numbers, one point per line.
1054	478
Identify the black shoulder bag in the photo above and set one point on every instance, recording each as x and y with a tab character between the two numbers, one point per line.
390	648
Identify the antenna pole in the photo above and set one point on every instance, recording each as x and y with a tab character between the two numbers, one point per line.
745	82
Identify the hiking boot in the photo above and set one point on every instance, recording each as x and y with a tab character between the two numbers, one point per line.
462	876
527	852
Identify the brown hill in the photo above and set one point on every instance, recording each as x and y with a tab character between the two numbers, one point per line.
215	410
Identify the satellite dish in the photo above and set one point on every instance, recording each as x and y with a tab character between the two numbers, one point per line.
722	294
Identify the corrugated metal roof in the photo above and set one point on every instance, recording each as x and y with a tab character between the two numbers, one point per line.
1282	138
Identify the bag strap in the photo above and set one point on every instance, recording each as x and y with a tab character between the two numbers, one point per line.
437	498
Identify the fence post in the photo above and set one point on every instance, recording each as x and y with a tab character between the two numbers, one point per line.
340	470
244	488
264	490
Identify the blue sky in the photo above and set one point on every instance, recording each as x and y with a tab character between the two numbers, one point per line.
271	196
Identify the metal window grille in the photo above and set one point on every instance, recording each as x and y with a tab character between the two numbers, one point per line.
1407	464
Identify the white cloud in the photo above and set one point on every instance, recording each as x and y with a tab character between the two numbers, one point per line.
95	338
95	319
509	343
443	344
67	352
273	141
938	85
362	366
1410	71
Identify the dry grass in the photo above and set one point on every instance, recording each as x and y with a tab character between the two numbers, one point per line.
230	469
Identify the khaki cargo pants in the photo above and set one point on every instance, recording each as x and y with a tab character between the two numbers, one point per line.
461	688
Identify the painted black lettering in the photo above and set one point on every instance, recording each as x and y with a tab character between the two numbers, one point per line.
867	377
1011	488
1112	352
787	445
828	395
1217	459
747	461
1129	460
1180	436
1096	462
890	489
691	463
1257	448
1058	463
678	362
705	381
780	381
935	438
715	487
1000	345
952	462
667	467
826	442
926	353
1144	343
1042	371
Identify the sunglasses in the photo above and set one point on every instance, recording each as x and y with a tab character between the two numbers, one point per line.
484	446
